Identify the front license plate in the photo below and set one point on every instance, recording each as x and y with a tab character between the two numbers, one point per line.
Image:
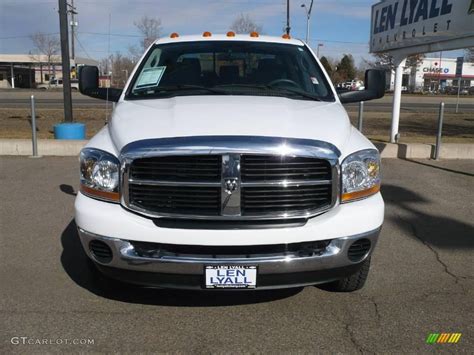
229	276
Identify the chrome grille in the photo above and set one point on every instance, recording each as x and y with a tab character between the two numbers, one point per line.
230	178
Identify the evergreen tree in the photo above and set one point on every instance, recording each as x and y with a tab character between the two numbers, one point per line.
347	68
326	65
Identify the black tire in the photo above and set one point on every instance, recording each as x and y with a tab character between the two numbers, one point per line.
353	282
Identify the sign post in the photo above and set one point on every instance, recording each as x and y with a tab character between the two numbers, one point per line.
397	99
459	65
402	28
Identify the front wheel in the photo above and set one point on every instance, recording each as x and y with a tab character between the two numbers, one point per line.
353	282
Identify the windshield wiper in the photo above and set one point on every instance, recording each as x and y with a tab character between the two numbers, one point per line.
274	88
297	92
174	88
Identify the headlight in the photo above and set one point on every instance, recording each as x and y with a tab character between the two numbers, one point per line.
360	175
100	174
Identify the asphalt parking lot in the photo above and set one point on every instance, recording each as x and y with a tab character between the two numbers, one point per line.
421	282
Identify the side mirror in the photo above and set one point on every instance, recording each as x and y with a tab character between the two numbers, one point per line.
89	85
374	88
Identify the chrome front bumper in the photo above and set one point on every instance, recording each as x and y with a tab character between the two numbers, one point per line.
128	266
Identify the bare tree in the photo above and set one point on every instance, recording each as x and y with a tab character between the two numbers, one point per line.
150	28
245	24
135	52
385	61
470	54
46	45
119	67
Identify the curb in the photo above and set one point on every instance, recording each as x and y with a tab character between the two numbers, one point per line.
46	147
449	151
51	147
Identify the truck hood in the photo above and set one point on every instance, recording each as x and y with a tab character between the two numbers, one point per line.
185	116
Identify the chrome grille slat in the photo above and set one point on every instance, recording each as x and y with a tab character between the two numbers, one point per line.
266	174
182	183
279	194
286	183
275	199
175	194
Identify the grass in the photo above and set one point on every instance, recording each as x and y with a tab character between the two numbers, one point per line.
419	127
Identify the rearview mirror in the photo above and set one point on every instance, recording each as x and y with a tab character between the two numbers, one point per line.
374	88
89	85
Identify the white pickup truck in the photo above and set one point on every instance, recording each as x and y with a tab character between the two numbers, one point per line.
58	84
230	163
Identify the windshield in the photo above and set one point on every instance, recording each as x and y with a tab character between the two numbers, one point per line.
230	68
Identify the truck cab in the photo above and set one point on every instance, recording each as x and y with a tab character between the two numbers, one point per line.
230	163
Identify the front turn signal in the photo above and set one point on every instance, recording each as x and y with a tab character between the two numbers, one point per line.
357	195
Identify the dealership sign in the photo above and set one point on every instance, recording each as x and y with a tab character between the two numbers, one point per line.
400	24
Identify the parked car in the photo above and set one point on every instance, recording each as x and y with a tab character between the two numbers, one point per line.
453	90
354	85
58	84
230	163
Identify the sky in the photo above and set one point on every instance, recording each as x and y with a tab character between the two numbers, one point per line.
342	26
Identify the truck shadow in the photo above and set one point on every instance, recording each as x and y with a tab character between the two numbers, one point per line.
82	271
440	231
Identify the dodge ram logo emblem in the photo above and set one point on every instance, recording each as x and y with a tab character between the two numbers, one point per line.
230	186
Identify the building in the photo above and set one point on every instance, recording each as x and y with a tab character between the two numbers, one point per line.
435	75
27	70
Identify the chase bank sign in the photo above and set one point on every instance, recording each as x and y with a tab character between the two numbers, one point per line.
436	70
404	23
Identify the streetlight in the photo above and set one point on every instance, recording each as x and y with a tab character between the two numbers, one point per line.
308	18
319	46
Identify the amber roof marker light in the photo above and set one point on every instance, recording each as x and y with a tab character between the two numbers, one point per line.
174	35
207	34
230	34
254	34
286	36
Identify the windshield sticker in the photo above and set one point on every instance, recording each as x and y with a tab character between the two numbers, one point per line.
314	80
150	77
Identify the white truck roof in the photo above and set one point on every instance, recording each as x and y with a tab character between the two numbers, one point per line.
223	37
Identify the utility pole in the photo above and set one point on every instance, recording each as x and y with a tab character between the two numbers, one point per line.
73	24
66	64
308	18
288	28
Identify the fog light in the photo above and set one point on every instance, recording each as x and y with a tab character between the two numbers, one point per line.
100	251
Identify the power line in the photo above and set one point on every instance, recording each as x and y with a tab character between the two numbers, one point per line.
82	47
28	36
110	34
342	42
